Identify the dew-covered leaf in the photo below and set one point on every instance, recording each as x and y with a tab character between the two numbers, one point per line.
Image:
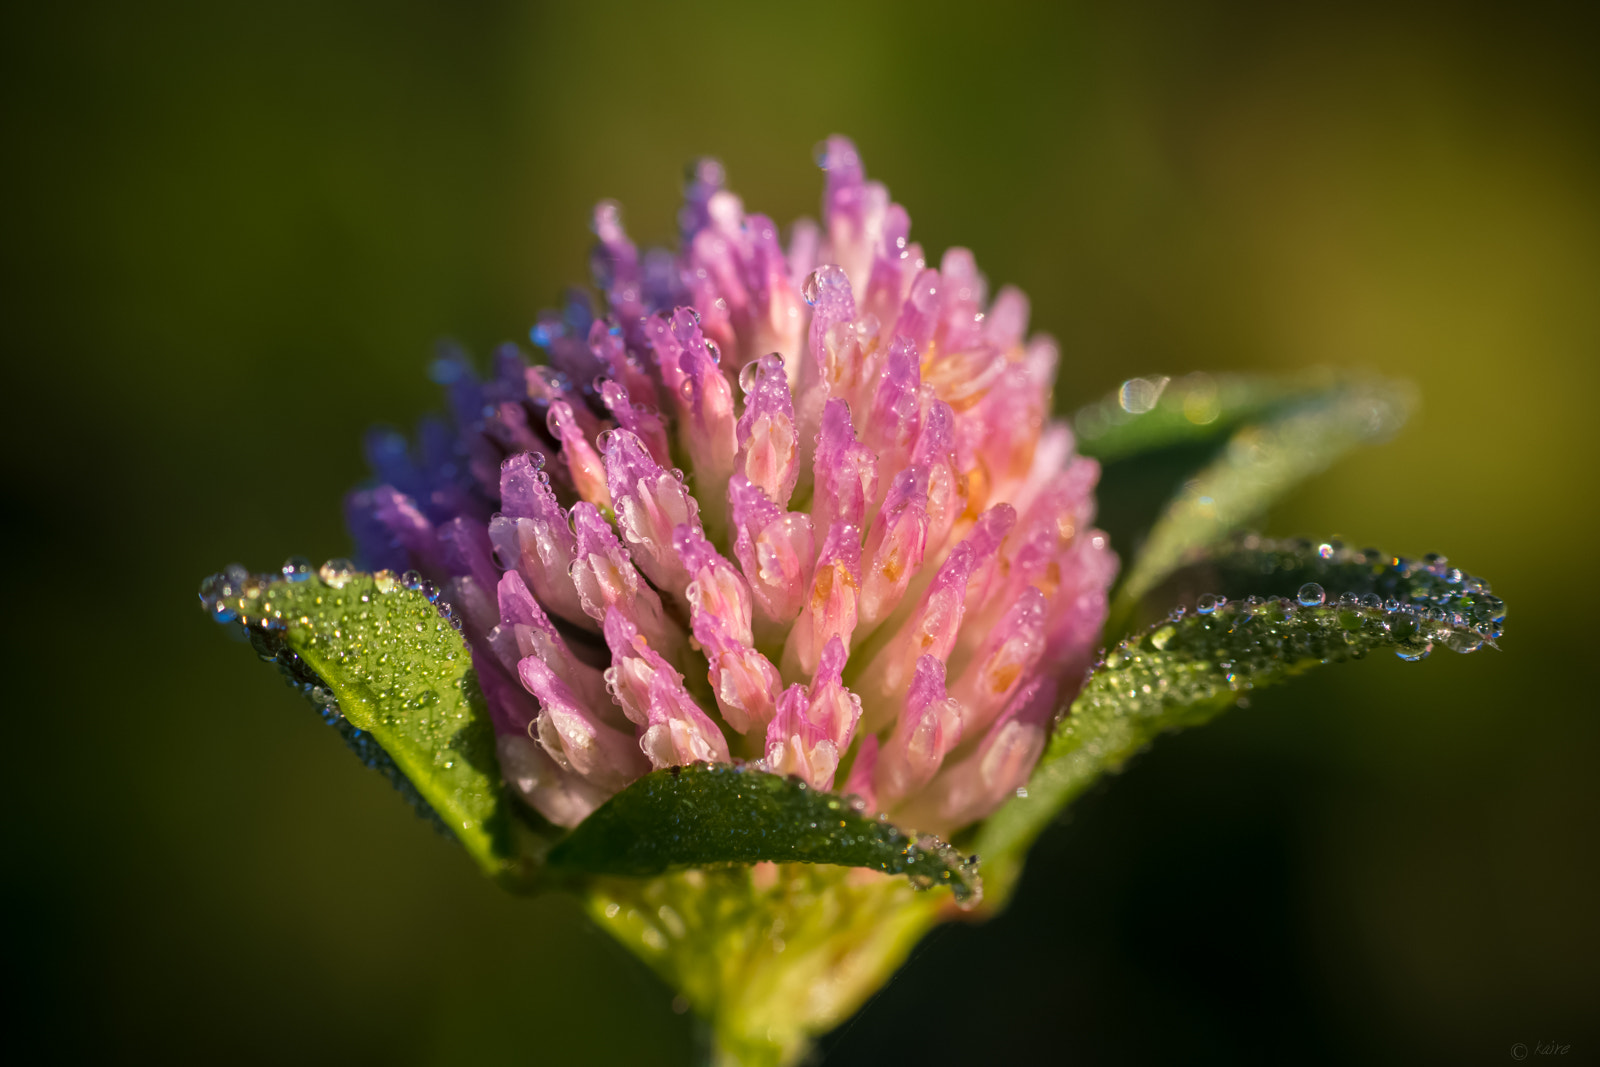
389	669
1205	656
1260	462
1256	566
711	814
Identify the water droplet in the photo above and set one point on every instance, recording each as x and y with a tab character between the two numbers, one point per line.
747	376
810	289
1139	395
1373	601
337	572
1311	595
1209	603
1413	655
296	569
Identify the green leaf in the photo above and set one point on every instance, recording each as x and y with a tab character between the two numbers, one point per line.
1157	412
1185	669
393	673
1260	462
1257	566
730	813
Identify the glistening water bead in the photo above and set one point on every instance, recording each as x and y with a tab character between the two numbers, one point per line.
337	572
1368	579
1311	595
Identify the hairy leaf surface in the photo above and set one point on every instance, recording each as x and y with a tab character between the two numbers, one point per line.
718	813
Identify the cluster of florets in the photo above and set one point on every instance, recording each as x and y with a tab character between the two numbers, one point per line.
802	504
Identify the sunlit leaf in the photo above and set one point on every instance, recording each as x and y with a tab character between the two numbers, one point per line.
1188	667
391	671
712	814
1259	463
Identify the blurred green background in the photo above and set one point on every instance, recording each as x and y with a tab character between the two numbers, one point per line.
231	238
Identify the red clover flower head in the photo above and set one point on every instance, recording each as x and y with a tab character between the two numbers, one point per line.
802	504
